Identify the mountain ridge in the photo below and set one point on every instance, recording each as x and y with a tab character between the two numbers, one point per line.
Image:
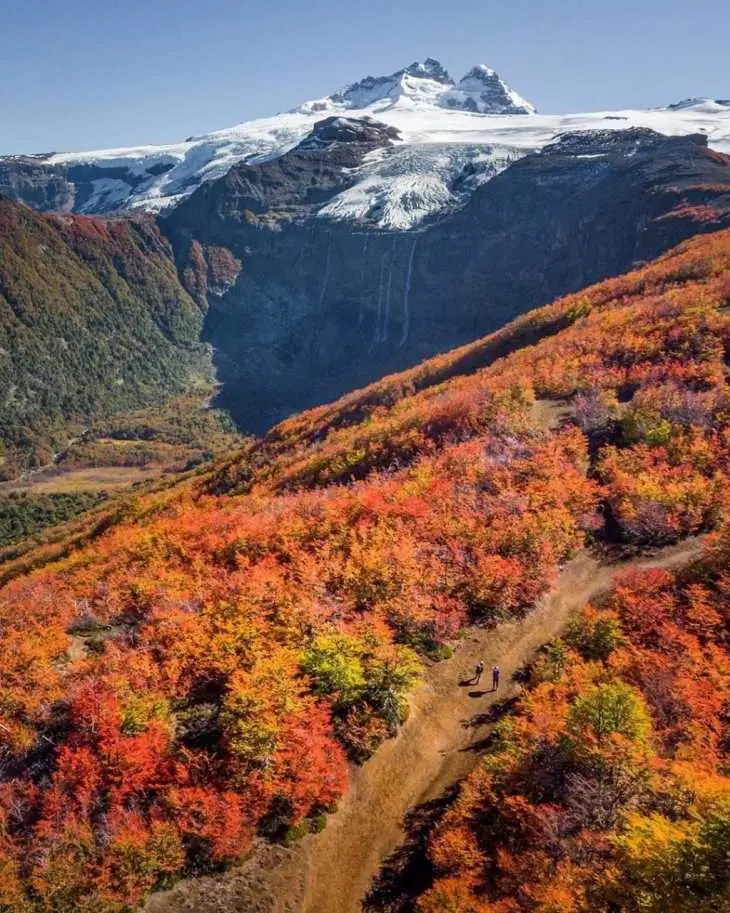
480	90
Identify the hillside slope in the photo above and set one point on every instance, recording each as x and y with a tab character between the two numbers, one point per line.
443	739
93	321
198	670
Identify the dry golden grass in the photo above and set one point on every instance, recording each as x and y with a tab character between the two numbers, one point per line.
87	479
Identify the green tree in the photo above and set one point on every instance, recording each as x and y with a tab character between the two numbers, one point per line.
606	709
595	636
673	867
334	663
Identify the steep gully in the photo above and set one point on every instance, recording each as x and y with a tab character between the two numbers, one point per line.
439	744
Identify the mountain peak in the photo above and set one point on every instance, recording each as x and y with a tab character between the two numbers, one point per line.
483	92
429	69
423	81
481	71
427	84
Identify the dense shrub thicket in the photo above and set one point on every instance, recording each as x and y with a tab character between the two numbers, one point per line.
25	514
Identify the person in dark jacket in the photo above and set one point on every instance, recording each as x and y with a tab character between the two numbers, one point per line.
495	678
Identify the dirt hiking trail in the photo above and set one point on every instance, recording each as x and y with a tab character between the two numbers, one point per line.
439	744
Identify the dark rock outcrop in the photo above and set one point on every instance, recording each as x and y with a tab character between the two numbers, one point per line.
287	189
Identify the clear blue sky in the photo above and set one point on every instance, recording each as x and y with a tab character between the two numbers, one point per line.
77	74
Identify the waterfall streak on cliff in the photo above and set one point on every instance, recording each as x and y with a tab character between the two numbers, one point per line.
377	336
386	314
407	296
361	314
326	279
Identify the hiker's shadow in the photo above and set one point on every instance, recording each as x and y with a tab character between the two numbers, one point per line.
470	683
488	718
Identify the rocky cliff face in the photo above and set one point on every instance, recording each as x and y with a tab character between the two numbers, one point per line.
320	306
47	185
297	184
37	183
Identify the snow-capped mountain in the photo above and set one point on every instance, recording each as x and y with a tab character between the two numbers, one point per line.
483	92
445	129
426	84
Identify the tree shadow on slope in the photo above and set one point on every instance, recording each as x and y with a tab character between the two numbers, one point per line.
407	872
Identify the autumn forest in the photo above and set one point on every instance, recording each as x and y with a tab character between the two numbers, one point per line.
201	665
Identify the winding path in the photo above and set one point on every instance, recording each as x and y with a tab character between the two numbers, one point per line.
331	872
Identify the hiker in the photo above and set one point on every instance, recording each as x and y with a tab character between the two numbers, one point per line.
495	678
478	669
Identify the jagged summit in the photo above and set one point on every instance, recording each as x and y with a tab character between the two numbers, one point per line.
418	82
427	85
429	69
482	91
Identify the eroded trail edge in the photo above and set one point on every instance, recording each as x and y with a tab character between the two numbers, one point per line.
439	744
